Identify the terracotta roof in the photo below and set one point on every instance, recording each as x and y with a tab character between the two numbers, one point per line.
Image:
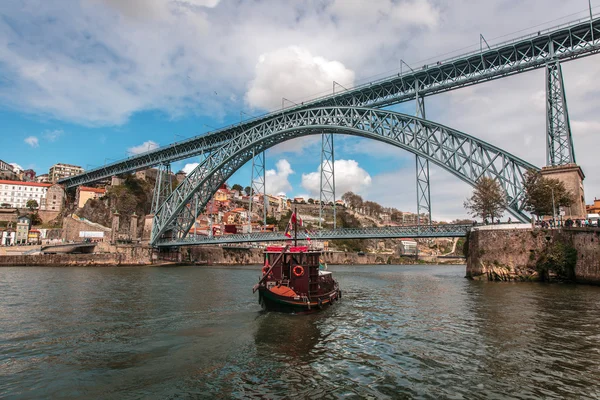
3	182
91	189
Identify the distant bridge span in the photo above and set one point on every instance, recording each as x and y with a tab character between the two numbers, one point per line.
462	155
423	231
563	43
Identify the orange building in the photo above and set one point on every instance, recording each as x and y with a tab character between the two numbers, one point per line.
594	208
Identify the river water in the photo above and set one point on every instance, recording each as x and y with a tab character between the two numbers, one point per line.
197	332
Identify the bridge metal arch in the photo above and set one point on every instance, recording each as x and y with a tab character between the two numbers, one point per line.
465	156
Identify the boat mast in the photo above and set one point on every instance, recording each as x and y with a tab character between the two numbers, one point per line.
295	226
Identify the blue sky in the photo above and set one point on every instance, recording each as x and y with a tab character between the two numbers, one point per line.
88	81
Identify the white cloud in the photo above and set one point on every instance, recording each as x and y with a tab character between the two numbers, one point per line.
142	148
277	180
187	168
53	134
295	74
32	141
16	167
349	176
411	13
398	189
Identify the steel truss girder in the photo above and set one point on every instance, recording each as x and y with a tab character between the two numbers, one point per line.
569	41
331	234
559	141
327	180
465	156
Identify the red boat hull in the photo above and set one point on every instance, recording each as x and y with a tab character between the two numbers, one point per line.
273	302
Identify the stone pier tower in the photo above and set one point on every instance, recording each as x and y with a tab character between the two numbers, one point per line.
133	227
115	226
572	177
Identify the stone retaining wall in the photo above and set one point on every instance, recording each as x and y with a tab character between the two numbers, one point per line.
65	260
511	254
242	256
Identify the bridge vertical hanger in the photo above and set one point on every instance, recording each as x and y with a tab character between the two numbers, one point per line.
559	141
257	185
422	164
163	186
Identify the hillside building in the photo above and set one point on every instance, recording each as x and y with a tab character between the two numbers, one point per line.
59	171
85	193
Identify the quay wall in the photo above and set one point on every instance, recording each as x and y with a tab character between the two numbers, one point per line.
107	255
65	260
512	254
252	256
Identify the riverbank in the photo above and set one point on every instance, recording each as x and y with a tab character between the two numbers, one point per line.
526	254
131	255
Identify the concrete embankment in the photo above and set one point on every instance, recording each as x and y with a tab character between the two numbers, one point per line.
523	254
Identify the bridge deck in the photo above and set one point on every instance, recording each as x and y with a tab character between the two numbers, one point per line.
423	231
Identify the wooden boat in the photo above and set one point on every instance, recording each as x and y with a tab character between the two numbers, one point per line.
292	281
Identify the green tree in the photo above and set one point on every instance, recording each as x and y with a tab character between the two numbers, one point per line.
311	201
352	200
488	199
238	187
540	191
247	189
32	205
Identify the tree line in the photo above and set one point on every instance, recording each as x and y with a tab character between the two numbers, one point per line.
543	196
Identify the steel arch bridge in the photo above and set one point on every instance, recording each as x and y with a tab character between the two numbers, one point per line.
465	156
541	49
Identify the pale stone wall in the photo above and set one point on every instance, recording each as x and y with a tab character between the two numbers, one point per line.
72	227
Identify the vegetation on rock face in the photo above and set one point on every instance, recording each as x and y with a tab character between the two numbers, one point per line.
560	259
539	192
488	199
134	195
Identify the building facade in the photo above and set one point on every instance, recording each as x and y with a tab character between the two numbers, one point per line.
23	225
16	194
59	171
7	171
55	198
85	193
44	178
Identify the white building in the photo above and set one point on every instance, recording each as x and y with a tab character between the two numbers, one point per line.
408	247
16	193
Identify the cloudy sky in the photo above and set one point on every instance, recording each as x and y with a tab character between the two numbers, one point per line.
91	81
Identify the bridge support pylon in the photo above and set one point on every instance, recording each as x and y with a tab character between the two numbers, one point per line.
327	180
257	186
422	166
163	186
559	141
